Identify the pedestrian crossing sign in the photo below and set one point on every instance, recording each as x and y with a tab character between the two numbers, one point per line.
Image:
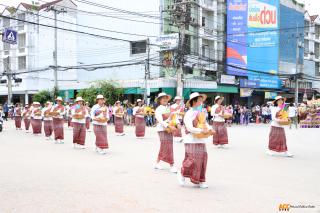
10	36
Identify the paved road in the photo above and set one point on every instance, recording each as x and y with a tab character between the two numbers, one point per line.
39	176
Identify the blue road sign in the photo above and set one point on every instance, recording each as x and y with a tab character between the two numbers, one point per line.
10	36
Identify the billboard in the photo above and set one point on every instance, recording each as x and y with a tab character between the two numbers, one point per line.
236	37
259	41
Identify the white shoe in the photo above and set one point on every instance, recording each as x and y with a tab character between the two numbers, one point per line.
75	146
173	169
158	166
181	179
288	154
102	152
56	141
47	138
269	152
82	146
61	142
203	185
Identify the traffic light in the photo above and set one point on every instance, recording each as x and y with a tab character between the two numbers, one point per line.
3	81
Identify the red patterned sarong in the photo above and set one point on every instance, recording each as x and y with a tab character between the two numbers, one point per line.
17	121
277	139
221	136
58	128
166	147
36	126
79	133
140	126
26	123
194	165
118	124
101	136
88	123
48	128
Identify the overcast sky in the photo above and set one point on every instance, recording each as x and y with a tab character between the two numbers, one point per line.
313	6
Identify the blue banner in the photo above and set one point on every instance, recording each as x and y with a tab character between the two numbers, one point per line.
253	40
237	37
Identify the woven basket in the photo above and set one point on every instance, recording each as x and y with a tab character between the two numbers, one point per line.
102	120
77	116
202	135
284	122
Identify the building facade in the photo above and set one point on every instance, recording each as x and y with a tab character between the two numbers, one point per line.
312	49
35	48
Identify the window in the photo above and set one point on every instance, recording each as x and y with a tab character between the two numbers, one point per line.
22	40
317	69
306	47
317	31
21	16
203	22
316	50
187	44
205	51
138	47
22	61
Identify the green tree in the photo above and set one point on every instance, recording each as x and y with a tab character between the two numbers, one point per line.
109	90
42	96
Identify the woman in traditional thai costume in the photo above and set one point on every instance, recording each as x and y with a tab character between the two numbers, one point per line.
277	135
47	120
18	116
36	115
26	117
178	109
167	123
57	113
220	139
79	114
140	123
100	117
198	133
118	113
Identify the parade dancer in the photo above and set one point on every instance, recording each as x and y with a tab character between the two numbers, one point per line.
178	109
88	118
220	139
277	135
57	113
198	133
100	117
140	123
79	113
17	116
47	120
118	118
36	115
165	127
26	117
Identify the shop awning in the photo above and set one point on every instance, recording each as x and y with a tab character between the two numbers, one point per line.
220	89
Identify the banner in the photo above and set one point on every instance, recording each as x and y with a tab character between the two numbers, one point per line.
270	95
253	40
237	37
245	92
168	42
227	79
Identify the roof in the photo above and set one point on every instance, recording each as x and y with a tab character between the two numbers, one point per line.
38	7
313	18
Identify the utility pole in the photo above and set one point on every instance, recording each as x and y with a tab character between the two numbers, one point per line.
296	97
55	54
147	73
181	51
9	77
